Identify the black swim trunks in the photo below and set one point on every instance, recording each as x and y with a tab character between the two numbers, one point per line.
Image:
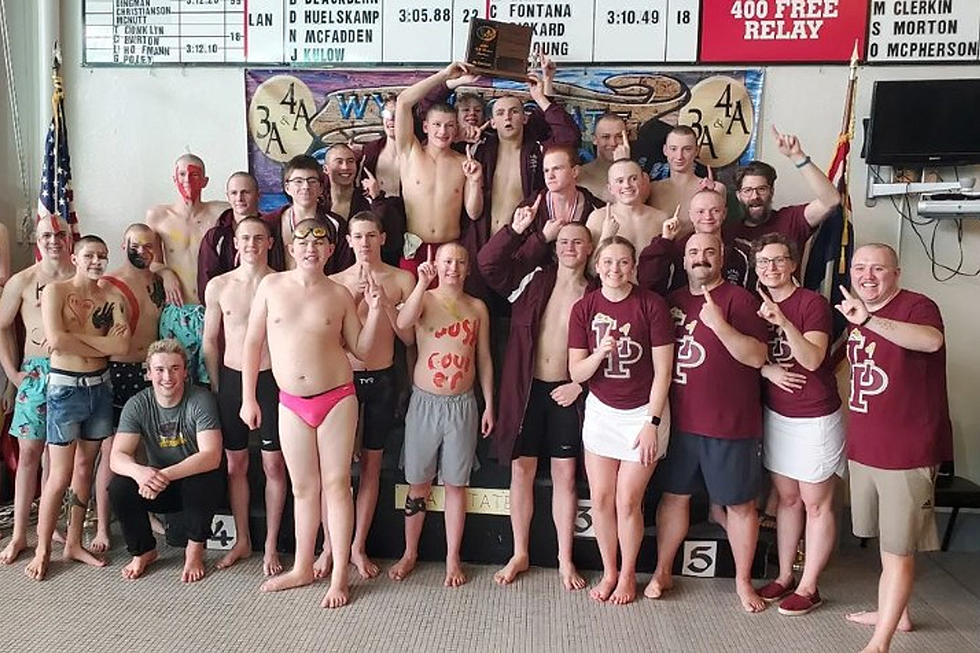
549	430
376	395
233	429
127	380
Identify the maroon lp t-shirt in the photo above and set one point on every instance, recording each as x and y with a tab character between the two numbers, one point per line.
899	412
712	394
788	221
807	311
639	322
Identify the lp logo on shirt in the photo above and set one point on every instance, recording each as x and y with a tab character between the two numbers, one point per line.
626	352
690	353
867	379
779	350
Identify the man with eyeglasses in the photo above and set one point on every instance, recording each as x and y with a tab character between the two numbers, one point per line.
22	296
181	226
755	186
661	264
302	180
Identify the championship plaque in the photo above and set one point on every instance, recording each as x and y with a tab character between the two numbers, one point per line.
499	49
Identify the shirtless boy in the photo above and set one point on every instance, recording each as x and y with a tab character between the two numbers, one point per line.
306	319
84	326
453	340
681	150
626	215
22	296
608	136
141	293
181	226
228	298
539	405
437	182
374	377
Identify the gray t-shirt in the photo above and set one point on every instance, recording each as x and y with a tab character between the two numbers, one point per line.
170	434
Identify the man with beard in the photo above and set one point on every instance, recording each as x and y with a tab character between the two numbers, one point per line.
84	326
141	292
22	297
181	226
756	183
218	254
716	408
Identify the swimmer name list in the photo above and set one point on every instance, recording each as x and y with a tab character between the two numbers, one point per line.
333	31
924	30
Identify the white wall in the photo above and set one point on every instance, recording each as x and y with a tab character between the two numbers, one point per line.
128	125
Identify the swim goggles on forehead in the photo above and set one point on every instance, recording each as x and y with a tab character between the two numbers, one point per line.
318	232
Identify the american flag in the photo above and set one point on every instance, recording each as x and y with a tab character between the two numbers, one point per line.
55	194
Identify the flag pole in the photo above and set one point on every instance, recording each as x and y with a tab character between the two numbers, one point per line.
844	139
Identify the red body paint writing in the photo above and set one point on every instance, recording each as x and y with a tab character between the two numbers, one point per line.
469	329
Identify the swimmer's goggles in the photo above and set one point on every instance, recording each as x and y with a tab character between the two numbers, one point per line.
318	232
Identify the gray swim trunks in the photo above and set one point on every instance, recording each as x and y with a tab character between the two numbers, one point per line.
447	422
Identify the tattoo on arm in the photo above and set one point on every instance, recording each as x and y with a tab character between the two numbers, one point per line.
157	296
102	318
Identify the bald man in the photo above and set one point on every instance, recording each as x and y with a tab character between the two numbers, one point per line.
607	138
141	295
181	226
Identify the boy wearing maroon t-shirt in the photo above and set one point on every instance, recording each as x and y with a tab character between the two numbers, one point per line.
899	429
717	414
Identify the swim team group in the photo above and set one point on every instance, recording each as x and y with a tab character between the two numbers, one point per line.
631	321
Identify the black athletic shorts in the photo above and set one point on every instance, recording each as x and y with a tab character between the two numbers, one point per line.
230	403
128	379
549	430
376	394
730	470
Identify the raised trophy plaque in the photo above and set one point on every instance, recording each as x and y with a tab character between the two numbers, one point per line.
499	49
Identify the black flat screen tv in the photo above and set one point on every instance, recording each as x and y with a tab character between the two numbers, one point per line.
930	122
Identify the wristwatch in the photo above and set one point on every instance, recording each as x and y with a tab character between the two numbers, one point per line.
655	420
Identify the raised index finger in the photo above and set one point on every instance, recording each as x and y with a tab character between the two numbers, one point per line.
537	201
845	293
431	256
776	133
707	295
711	175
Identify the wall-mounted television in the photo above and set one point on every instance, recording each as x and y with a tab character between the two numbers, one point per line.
929	122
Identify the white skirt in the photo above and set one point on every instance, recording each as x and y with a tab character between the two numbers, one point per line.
612	432
808	449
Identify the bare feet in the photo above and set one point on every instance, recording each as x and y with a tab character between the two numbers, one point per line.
323	565
138	565
516	566
658	586
870	618
240	551
365	566
271	564
156	525
604	588
193	563
454	574
100	543
751	601
81	554
292	578
11	552
570	577
38	567
401	569
337	596
625	591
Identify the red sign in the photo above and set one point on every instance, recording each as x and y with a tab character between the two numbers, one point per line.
762	31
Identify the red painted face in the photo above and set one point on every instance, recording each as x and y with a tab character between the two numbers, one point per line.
190	181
